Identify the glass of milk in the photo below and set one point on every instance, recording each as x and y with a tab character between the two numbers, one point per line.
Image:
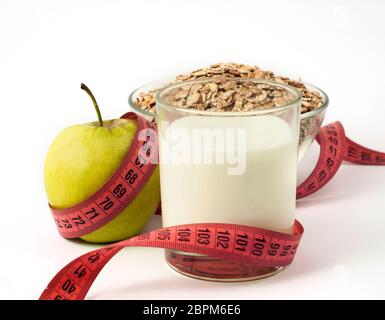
227	167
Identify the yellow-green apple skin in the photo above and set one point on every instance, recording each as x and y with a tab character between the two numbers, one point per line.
81	159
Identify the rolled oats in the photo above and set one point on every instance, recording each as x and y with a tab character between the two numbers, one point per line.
239	100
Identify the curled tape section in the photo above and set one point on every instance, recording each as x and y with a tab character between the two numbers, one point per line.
263	247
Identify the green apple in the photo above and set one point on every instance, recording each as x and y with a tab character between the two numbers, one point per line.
81	159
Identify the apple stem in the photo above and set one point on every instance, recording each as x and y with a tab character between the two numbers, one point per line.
86	89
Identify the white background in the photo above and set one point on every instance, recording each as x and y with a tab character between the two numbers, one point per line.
48	47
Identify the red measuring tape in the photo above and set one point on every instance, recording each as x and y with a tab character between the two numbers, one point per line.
264	248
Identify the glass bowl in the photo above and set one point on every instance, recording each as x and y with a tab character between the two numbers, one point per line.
310	121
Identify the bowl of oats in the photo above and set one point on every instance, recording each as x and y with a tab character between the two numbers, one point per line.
314	101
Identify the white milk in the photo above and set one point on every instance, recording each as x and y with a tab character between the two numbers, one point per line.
264	195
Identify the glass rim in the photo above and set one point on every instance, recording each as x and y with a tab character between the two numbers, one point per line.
163	104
